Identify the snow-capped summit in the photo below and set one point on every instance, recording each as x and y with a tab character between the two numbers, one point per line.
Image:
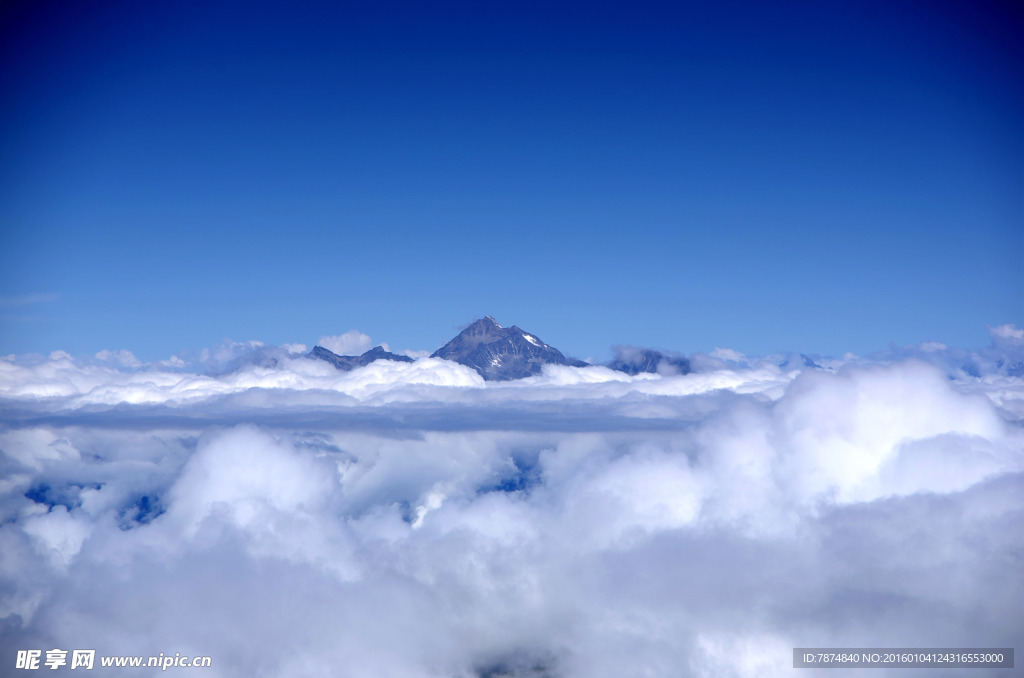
500	353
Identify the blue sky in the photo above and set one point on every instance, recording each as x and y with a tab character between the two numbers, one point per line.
804	177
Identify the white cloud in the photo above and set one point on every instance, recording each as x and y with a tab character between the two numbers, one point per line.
410	519
730	654
352	342
122	358
57	534
1010	332
727	354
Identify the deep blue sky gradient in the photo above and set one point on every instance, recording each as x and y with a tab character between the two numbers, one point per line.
822	177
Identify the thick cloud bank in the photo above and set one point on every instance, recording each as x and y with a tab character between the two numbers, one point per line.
408	519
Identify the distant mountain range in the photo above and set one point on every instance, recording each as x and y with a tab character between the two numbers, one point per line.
636	360
502	353
350	362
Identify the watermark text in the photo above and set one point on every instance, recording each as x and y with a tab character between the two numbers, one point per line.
32	660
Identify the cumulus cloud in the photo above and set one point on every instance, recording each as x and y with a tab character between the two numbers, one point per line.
727	354
1009	333
410	519
122	358
352	342
1003	357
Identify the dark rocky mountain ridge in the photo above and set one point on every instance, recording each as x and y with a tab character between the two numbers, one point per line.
501	353
350	362
633	361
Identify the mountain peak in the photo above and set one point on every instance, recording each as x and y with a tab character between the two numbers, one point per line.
500	353
487	321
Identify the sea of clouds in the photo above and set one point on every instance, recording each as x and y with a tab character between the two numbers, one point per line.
411	520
